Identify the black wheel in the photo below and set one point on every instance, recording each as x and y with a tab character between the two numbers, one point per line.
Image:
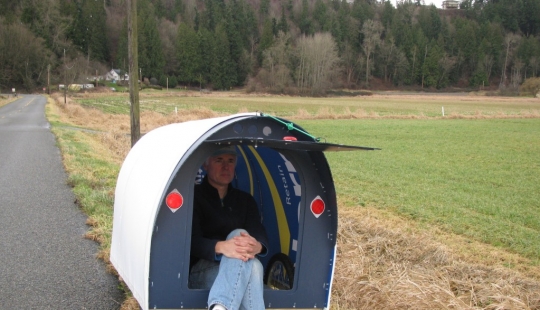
279	274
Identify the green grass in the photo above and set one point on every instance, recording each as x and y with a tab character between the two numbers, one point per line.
92	178
478	178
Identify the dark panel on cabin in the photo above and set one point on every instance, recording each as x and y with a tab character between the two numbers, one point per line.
169	258
258	127
316	240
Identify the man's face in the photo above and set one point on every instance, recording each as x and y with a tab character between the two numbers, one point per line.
220	169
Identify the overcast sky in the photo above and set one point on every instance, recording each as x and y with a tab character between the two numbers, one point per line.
438	3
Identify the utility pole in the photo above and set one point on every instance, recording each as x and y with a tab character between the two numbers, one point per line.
133	59
49	79
65	78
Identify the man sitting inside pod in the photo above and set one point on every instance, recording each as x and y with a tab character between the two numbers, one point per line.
227	236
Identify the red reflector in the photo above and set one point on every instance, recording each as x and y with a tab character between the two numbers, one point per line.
290	138
174	200
317	206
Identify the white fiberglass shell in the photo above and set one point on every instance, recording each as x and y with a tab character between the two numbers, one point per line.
142	180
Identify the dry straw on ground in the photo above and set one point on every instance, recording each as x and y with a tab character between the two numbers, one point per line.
383	262
383	266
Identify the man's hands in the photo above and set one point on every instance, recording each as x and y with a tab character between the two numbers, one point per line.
243	247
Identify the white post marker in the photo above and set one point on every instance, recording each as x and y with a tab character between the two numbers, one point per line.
442	111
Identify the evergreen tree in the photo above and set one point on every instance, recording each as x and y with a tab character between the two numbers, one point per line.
387	14
528	53
89	30
121	60
160	9
427	49
206	49
213	14
362	11
264	9
446	64
321	17
98	37
430	70
188	56
304	22
197	20
430	22
223	73
283	25
8	10
466	44
343	28
173	82
235	28
418	55
529	17
267	39
45	19
151	60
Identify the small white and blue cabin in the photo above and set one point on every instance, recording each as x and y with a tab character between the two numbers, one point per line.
280	164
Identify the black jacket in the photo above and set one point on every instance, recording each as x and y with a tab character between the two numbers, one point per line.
214	219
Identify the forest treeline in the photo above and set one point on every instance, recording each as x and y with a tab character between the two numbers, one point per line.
284	46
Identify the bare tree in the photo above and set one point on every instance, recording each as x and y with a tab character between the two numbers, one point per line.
516	78
487	62
51	25
400	64
318	59
23	56
446	63
276	63
413	70
388	51
190	7
168	32
423	72
372	38
510	42
534	62
351	64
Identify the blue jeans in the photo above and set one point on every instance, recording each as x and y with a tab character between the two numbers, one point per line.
234	284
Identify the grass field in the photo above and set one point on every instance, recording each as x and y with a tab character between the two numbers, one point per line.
474	174
374	106
478	178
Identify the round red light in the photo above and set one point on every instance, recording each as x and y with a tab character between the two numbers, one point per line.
290	138
174	200
317	206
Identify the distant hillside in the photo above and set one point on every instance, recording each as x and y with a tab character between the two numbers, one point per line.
297	47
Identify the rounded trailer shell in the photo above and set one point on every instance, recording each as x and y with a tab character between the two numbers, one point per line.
290	180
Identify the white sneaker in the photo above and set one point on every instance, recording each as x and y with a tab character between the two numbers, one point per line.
218	307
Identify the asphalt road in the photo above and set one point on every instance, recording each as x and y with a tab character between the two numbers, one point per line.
45	263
